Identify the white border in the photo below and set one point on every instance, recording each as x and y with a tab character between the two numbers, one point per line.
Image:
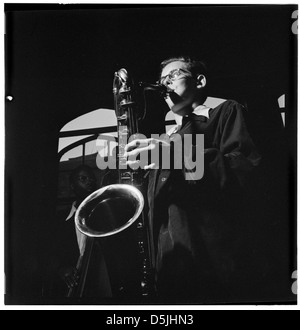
115	308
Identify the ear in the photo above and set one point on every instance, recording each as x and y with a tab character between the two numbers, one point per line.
201	81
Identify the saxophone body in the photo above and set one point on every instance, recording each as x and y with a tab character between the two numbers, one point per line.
127	116
112	209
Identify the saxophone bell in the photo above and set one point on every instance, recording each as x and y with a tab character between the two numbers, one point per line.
109	210
114	208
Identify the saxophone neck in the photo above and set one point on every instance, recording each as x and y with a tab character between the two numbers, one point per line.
163	90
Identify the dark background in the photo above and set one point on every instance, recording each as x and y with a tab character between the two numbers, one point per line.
60	61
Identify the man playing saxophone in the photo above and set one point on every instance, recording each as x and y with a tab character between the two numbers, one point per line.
194	220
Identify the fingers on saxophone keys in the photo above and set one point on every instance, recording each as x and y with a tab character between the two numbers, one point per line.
136	144
150	167
132	145
137	152
133	164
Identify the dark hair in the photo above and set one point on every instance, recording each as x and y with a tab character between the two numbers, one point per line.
77	170
196	67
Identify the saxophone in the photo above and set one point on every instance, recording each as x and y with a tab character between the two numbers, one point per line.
112	209
126	111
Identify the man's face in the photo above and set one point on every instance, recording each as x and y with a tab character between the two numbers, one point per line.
84	184
182	83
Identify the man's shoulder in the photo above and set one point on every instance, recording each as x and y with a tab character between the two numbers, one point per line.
229	104
229	107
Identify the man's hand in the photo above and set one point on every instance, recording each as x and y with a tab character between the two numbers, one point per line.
69	276
145	153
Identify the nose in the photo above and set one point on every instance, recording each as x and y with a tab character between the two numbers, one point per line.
168	82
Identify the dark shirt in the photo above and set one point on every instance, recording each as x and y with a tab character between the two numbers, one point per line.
197	225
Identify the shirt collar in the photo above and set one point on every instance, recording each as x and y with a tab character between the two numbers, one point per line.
173	130
202	110
72	211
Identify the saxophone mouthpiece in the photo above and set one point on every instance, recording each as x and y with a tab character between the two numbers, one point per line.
161	89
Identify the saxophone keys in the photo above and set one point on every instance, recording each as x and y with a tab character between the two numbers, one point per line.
123	117
126	103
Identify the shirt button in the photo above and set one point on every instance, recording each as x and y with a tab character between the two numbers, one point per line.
163	179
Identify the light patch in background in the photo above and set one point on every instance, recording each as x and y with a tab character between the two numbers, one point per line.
104	146
94	119
281	103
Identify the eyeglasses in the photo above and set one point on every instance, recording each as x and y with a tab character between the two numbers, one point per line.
174	75
84	179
